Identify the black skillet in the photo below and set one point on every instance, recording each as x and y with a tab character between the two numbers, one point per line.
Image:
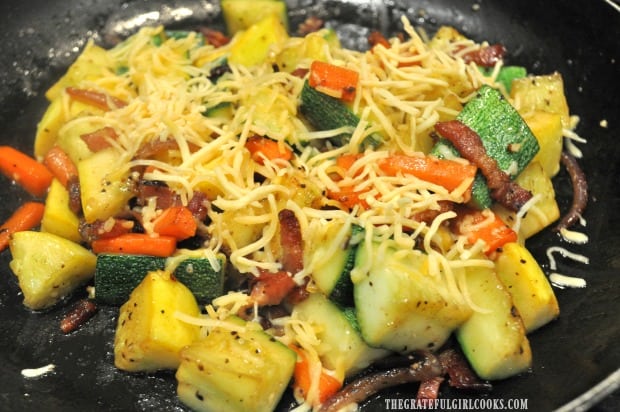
576	358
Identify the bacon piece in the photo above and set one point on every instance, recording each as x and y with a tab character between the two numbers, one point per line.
470	146
580	192
75	199
155	147
165	196
105	229
270	288
96	99
214	37
486	56
79	314
199	206
429	388
459	373
310	25
99	139
291	242
428	215
375	37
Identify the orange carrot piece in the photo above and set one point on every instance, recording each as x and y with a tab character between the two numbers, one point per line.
262	147
447	173
60	164
96	99
336	81
99	139
25	170
495	233
26	217
176	221
349	198
136	244
328	384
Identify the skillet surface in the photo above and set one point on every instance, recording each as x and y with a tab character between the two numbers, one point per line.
576	358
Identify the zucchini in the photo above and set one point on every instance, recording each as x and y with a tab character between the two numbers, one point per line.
48	267
331	266
149	336
493	340
505	136
241	14
324	112
399	306
342	348
116	275
506	75
235	368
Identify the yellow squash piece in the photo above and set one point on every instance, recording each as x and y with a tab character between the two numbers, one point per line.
149	336
58	218
255	45
241	14
541	93
48	267
524	279
547	127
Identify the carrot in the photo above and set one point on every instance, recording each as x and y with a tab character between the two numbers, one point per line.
336	81
60	164
136	244
488	227
176	221
262	148
302	379
96	99
447	173
99	139
348	197
26	217
26	171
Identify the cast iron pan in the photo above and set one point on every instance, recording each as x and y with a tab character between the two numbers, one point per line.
576	358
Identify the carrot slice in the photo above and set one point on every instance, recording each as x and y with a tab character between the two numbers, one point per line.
447	173
348	197
25	170
96	99
136	244
26	217
262	148
302	379
60	164
491	229
176	221
336	81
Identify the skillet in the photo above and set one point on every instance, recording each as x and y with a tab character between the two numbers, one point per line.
576	358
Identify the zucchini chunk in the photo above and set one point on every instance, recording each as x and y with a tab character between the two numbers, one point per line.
324	112
235	368
48	267
398	304
530	290
116	275
342	349
493	340
149	336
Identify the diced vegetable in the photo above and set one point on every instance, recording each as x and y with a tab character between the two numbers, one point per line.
48	267
236	367
61	165
26	217
242	14
547	127
493	339
136	244
487	227
58	218
176	221
117	275
541	93
263	148
335	81
104	190
342	349
26	171
408	309
252	46
324	112
302	379
524	279
314	46
149	336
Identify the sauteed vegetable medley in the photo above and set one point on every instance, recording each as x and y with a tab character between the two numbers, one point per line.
272	210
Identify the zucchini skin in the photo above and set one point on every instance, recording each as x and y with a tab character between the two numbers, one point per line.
117	275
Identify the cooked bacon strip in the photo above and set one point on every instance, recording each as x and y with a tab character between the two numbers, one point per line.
469	145
291	242
580	192
459	373
428	215
155	147
376	37
271	288
105	229
199	206
214	37
165	196
429	389
99	139
78	315
75	199
310	25
486	56
368	385
96	99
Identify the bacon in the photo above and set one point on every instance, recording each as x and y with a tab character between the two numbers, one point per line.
428	215
105	229
199	206
96	99
75	199
469	145
270	288
375	37
310	25
155	147
291	242
580	192
459	373
486	56
81	312
429	388
214	37
99	139
165	196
